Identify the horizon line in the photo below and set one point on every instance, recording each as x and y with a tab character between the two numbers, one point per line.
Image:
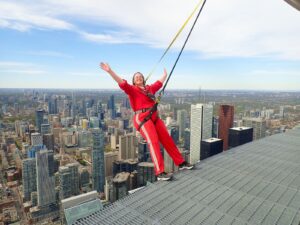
171	89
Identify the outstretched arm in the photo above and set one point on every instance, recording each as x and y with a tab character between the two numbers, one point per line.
158	84
164	76
107	68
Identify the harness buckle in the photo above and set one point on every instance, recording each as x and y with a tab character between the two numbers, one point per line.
142	110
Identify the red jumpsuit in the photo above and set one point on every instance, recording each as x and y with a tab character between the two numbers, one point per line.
154	130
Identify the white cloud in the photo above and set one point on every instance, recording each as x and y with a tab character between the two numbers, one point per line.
271	73
9	64
229	28
27	72
83	74
112	38
49	53
23	17
10	67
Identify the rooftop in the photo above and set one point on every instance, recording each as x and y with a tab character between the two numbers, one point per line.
146	164
256	183
121	177
240	128
212	140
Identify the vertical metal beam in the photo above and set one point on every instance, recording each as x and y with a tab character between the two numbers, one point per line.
294	3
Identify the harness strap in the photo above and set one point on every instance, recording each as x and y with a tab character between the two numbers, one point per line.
142	110
148	94
153	109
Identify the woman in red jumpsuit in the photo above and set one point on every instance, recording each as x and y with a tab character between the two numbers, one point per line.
141	97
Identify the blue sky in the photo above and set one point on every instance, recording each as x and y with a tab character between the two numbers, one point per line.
235	44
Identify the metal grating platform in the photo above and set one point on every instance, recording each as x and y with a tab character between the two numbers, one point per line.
256	183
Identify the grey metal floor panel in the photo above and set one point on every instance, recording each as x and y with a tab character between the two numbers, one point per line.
256	183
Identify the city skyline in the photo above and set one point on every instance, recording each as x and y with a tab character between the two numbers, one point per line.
57	147
248	46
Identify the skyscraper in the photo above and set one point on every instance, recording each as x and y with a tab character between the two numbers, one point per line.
31	152
143	151
110	157
83	108
94	122
240	135
64	182
100	111
145	173
28	177
45	128
187	139
45	183
169	163
201	128
73	105
66	110
181	119
174	132
120	185
111	106
39	117
48	141
85	124
127	146
69	180
21	128
281	111
84	138
98	174
74	177
128	165
84	178
51	163
215	132
259	126
133	184
210	147
36	139
123	124
52	106
17	107
226	116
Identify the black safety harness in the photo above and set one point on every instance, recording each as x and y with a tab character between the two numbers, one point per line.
151	110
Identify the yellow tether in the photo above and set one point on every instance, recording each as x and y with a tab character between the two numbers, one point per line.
174	39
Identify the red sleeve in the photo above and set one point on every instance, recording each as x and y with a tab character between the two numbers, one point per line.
155	86
127	88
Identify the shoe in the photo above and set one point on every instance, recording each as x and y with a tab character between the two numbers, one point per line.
186	166
164	176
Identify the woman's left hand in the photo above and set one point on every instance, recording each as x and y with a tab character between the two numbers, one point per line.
164	76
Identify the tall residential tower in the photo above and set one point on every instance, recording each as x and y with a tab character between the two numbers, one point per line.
226	116
98	174
201	128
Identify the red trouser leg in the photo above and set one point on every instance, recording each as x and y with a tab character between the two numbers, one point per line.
168	143
149	133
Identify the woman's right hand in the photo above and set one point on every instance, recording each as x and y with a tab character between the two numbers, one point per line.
105	67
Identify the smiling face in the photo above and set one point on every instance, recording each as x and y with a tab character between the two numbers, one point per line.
138	79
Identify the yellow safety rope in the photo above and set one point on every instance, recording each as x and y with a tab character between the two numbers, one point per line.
174	39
